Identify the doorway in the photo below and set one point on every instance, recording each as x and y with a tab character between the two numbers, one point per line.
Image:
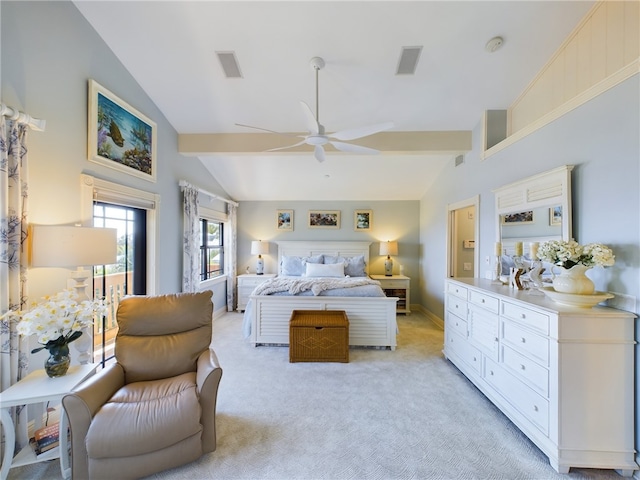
462	242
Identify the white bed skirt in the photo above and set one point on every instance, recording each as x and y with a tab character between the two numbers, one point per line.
372	320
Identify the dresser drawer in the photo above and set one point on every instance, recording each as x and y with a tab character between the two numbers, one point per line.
526	342
457	306
394	283
457	290
466	352
522	398
485	301
456	323
531	373
537	320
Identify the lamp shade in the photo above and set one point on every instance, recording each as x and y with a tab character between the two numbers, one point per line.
388	248
67	246
259	247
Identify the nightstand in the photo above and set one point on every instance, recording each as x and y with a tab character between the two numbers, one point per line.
38	388
397	286
247	283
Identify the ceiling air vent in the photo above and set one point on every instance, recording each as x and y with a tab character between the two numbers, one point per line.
229	64
408	60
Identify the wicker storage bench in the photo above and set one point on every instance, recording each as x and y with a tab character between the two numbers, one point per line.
319	336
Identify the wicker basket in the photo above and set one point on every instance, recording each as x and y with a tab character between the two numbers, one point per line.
319	336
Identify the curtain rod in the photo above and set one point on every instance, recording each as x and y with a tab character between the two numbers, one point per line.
13	114
184	183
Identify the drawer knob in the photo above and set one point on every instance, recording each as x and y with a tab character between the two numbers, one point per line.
496	339
475	359
522	315
482	301
491	372
522	367
524	340
535	408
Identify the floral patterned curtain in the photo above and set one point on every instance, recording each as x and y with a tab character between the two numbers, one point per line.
231	256
191	240
14	360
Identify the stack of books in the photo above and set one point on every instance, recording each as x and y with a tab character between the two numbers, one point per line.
46	438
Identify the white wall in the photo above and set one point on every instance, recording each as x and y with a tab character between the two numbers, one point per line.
49	52
602	139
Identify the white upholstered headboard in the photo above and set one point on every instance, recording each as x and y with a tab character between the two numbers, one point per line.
307	248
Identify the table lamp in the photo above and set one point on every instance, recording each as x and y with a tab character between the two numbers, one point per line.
388	249
73	247
258	247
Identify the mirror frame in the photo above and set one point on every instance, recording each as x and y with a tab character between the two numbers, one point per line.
549	188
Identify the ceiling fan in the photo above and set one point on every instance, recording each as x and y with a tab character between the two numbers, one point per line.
317	136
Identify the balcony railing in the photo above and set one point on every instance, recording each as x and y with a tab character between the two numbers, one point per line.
104	332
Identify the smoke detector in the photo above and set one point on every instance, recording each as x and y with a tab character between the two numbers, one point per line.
494	44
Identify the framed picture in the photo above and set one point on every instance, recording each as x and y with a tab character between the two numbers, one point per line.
119	136
362	220
517	218
324	219
555	215
284	221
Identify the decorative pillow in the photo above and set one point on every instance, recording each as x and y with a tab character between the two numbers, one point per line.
291	266
353	266
322	270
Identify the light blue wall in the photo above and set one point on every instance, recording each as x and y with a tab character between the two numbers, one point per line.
392	220
602	139
49	52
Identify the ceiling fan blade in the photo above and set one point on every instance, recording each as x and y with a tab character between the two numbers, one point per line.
267	130
284	148
319	153
361	132
312	124
350	148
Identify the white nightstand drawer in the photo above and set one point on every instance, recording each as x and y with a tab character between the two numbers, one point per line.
393	283
457	324
252	281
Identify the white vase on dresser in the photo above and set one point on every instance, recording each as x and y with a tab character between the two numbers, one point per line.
563	375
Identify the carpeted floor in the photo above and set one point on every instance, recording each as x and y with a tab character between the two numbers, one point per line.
407	414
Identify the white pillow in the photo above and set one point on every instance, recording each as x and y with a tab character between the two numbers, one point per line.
322	270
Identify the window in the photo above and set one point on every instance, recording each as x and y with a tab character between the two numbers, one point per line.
211	249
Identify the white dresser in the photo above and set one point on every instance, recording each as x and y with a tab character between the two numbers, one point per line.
563	375
247	283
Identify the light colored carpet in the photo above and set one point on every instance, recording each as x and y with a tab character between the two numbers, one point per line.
407	414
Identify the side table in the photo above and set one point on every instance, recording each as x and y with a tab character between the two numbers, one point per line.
397	286
37	387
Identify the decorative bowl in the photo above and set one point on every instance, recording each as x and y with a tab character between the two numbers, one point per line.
574	300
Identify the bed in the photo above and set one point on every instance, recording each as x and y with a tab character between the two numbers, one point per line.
372	319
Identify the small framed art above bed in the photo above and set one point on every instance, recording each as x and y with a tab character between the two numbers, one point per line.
322	275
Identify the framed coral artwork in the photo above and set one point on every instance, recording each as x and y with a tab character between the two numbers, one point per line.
119	136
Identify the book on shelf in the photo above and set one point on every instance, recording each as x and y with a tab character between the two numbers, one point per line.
45	438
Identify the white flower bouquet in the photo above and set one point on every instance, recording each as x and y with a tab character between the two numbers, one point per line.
568	254
58	320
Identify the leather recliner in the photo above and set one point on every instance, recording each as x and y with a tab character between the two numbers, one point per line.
155	407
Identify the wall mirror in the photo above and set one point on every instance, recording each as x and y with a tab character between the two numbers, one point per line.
534	209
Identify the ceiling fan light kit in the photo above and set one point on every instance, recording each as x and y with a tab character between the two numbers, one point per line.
317	137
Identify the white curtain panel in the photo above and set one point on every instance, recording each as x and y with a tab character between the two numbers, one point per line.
191	257
231	259
14	360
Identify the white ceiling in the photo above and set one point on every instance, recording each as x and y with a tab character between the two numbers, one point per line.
169	48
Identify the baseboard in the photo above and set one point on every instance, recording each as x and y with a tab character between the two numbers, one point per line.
431	316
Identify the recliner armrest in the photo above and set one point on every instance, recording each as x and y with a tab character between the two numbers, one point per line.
208	378
81	405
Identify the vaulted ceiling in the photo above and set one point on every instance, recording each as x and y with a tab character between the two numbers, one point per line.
170	48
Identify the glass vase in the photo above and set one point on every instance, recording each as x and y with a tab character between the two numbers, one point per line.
58	362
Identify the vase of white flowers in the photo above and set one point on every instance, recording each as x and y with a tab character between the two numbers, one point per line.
57	321
574	260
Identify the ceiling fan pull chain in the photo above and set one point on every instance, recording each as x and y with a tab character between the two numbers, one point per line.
317	98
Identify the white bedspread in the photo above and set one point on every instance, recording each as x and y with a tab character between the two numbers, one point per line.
316	285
